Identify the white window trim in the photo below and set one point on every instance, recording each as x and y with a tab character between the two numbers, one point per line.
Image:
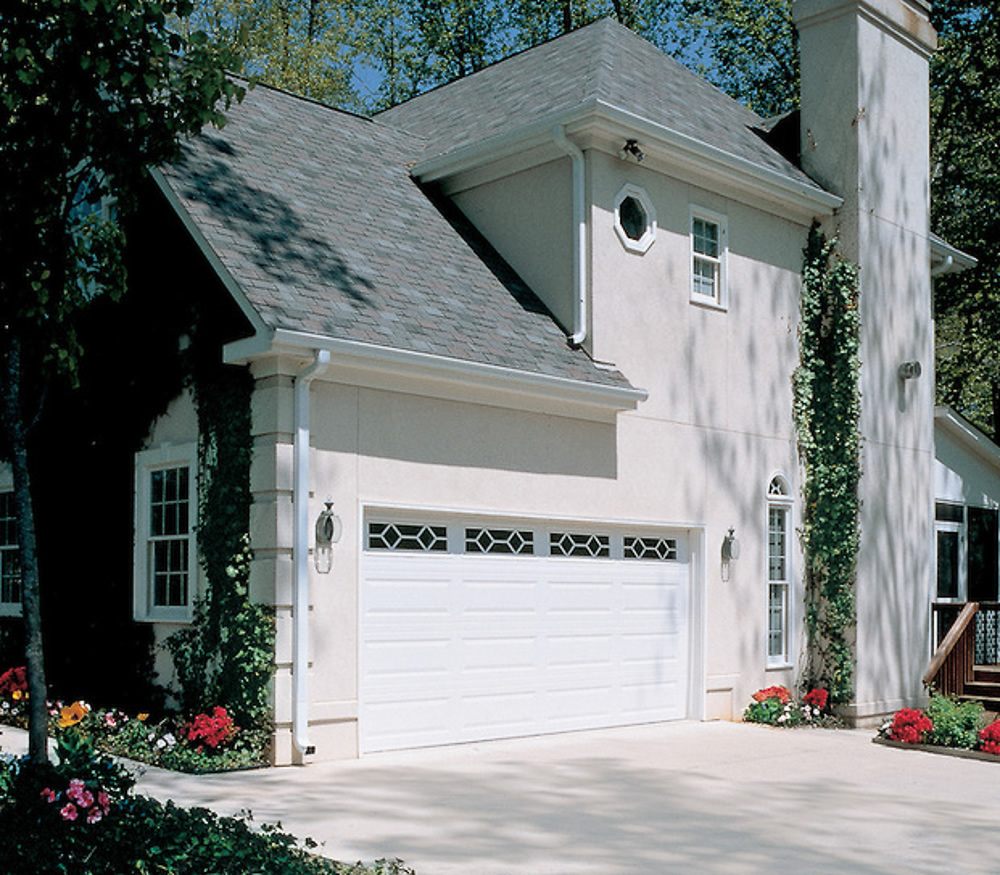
649	236
10	609
720	301
787	503
147	461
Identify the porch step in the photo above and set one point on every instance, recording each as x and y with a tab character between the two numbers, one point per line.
986	673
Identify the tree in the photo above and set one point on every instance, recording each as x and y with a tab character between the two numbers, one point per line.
93	92
965	152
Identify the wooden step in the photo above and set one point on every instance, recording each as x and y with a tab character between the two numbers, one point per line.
979	689
990	703
986	673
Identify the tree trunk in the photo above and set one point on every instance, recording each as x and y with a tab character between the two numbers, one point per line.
16	429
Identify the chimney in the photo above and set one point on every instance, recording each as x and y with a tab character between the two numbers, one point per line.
865	136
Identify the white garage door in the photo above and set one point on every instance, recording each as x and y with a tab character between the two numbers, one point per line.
473	631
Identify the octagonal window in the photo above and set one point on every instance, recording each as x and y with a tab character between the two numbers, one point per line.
635	219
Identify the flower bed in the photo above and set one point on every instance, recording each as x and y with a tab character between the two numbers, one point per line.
946	725
208	742
776	706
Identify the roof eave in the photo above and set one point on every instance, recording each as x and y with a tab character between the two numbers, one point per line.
967	434
606	126
945	258
381	367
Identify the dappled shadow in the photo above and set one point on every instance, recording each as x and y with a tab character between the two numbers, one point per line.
283	247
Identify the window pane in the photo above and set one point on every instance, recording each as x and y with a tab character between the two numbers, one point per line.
947	565
983	536
632	218
706	237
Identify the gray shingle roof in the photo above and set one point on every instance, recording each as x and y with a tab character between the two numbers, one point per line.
314	214
605	62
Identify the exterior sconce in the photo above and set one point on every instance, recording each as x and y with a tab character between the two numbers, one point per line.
631	147
327	534
730	552
909	370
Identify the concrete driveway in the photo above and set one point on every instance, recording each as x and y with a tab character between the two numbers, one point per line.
682	797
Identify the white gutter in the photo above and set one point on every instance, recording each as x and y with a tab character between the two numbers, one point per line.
580	234
300	565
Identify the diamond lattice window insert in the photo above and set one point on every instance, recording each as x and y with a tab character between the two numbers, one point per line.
407	536
663	549
509	541
570	544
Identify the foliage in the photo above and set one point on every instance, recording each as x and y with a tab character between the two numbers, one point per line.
956	724
965	187
775	706
749	50
910	726
133	833
225	657
92	93
989	738
827	410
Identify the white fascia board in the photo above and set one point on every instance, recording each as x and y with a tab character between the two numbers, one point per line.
945	258
380	367
967	435
716	168
210	254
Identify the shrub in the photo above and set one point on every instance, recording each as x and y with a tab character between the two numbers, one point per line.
773	706
956	724
110	831
910	725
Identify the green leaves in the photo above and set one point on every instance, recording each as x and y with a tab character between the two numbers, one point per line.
827	408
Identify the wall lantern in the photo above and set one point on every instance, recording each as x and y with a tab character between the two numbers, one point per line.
327	534
730	552
909	370
631	147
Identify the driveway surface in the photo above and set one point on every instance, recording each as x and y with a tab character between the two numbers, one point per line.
680	797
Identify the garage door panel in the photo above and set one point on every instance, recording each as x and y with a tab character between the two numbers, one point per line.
460	648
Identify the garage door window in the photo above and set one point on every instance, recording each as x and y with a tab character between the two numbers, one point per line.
501	537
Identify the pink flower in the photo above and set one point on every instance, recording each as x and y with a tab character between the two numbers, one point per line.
79	793
109	720
104	801
48	795
94	815
68	811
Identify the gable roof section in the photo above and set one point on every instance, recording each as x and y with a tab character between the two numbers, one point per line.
314	221
603	64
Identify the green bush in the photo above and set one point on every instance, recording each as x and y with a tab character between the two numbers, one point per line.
81	816
956	724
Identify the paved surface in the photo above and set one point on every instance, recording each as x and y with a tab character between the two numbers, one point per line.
683	797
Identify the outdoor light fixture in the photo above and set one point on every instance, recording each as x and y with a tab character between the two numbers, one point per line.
327	534
909	370
631	147
730	552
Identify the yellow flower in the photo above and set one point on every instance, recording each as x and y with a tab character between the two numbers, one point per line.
143	717
17	695
72	714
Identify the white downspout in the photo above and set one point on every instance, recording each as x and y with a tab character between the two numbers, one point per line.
580	315
300	555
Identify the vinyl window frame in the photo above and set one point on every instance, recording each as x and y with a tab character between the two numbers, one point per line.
148	462
10	553
779	500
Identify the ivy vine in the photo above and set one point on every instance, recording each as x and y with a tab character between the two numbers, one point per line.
827	406
226	656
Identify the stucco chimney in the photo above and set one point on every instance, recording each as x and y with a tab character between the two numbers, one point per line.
865	136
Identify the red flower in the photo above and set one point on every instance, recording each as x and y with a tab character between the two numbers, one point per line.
213	731
817	698
910	725
14	680
782	694
989	738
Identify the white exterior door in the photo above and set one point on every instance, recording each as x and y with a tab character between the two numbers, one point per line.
472	631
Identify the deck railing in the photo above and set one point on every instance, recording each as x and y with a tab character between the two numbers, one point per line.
952	664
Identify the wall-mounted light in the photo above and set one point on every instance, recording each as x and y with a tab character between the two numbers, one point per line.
730	552
631	147
909	370
327	534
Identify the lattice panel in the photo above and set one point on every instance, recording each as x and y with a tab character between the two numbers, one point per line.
987	639
664	549
407	536
509	541
570	544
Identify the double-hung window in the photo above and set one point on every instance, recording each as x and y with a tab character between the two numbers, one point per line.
708	259
10	558
779	576
165	549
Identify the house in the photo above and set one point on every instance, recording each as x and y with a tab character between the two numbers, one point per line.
530	337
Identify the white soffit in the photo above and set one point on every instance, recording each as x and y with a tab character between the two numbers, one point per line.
968	435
